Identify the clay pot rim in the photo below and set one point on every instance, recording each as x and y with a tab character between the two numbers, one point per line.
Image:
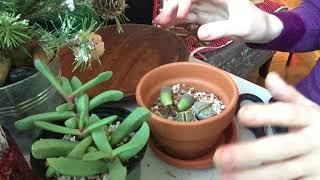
233	101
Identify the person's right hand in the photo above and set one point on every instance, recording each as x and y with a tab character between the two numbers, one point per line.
237	19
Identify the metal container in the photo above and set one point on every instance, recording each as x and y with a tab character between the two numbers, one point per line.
30	96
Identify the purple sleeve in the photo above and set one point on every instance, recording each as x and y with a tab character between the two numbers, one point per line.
301	30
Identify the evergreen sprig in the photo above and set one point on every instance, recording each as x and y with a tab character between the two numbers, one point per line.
51	41
14	31
33	9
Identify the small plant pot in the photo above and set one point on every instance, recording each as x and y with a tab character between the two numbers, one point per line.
188	140
39	166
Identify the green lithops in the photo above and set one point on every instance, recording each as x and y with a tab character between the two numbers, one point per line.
206	113
185	102
166	96
85	149
204	110
186	116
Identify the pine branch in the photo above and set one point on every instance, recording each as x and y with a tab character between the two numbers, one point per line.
33	9
14	32
50	42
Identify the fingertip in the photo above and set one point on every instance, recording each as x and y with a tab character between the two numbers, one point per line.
183	9
271	75
274	78
217	157
155	20
244	113
203	33
215	30
163	20
181	13
224	158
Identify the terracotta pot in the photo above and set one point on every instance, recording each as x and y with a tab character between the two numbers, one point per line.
192	139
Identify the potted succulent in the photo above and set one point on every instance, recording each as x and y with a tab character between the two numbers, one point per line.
193	128
90	145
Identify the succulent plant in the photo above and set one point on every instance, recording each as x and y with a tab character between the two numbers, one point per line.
186	116
166	99
166	96
185	102
204	110
96	150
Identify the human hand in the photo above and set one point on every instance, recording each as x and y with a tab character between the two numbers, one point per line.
240	20
281	157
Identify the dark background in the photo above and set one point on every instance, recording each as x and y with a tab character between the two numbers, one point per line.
139	11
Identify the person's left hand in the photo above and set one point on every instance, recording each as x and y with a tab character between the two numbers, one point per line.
295	155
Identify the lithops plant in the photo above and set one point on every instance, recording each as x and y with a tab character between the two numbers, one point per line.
166	99
94	150
204	110
185	104
186	116
166	96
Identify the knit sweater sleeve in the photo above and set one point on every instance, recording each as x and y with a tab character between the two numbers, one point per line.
301	30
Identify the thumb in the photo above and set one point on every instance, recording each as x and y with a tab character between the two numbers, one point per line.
215	30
